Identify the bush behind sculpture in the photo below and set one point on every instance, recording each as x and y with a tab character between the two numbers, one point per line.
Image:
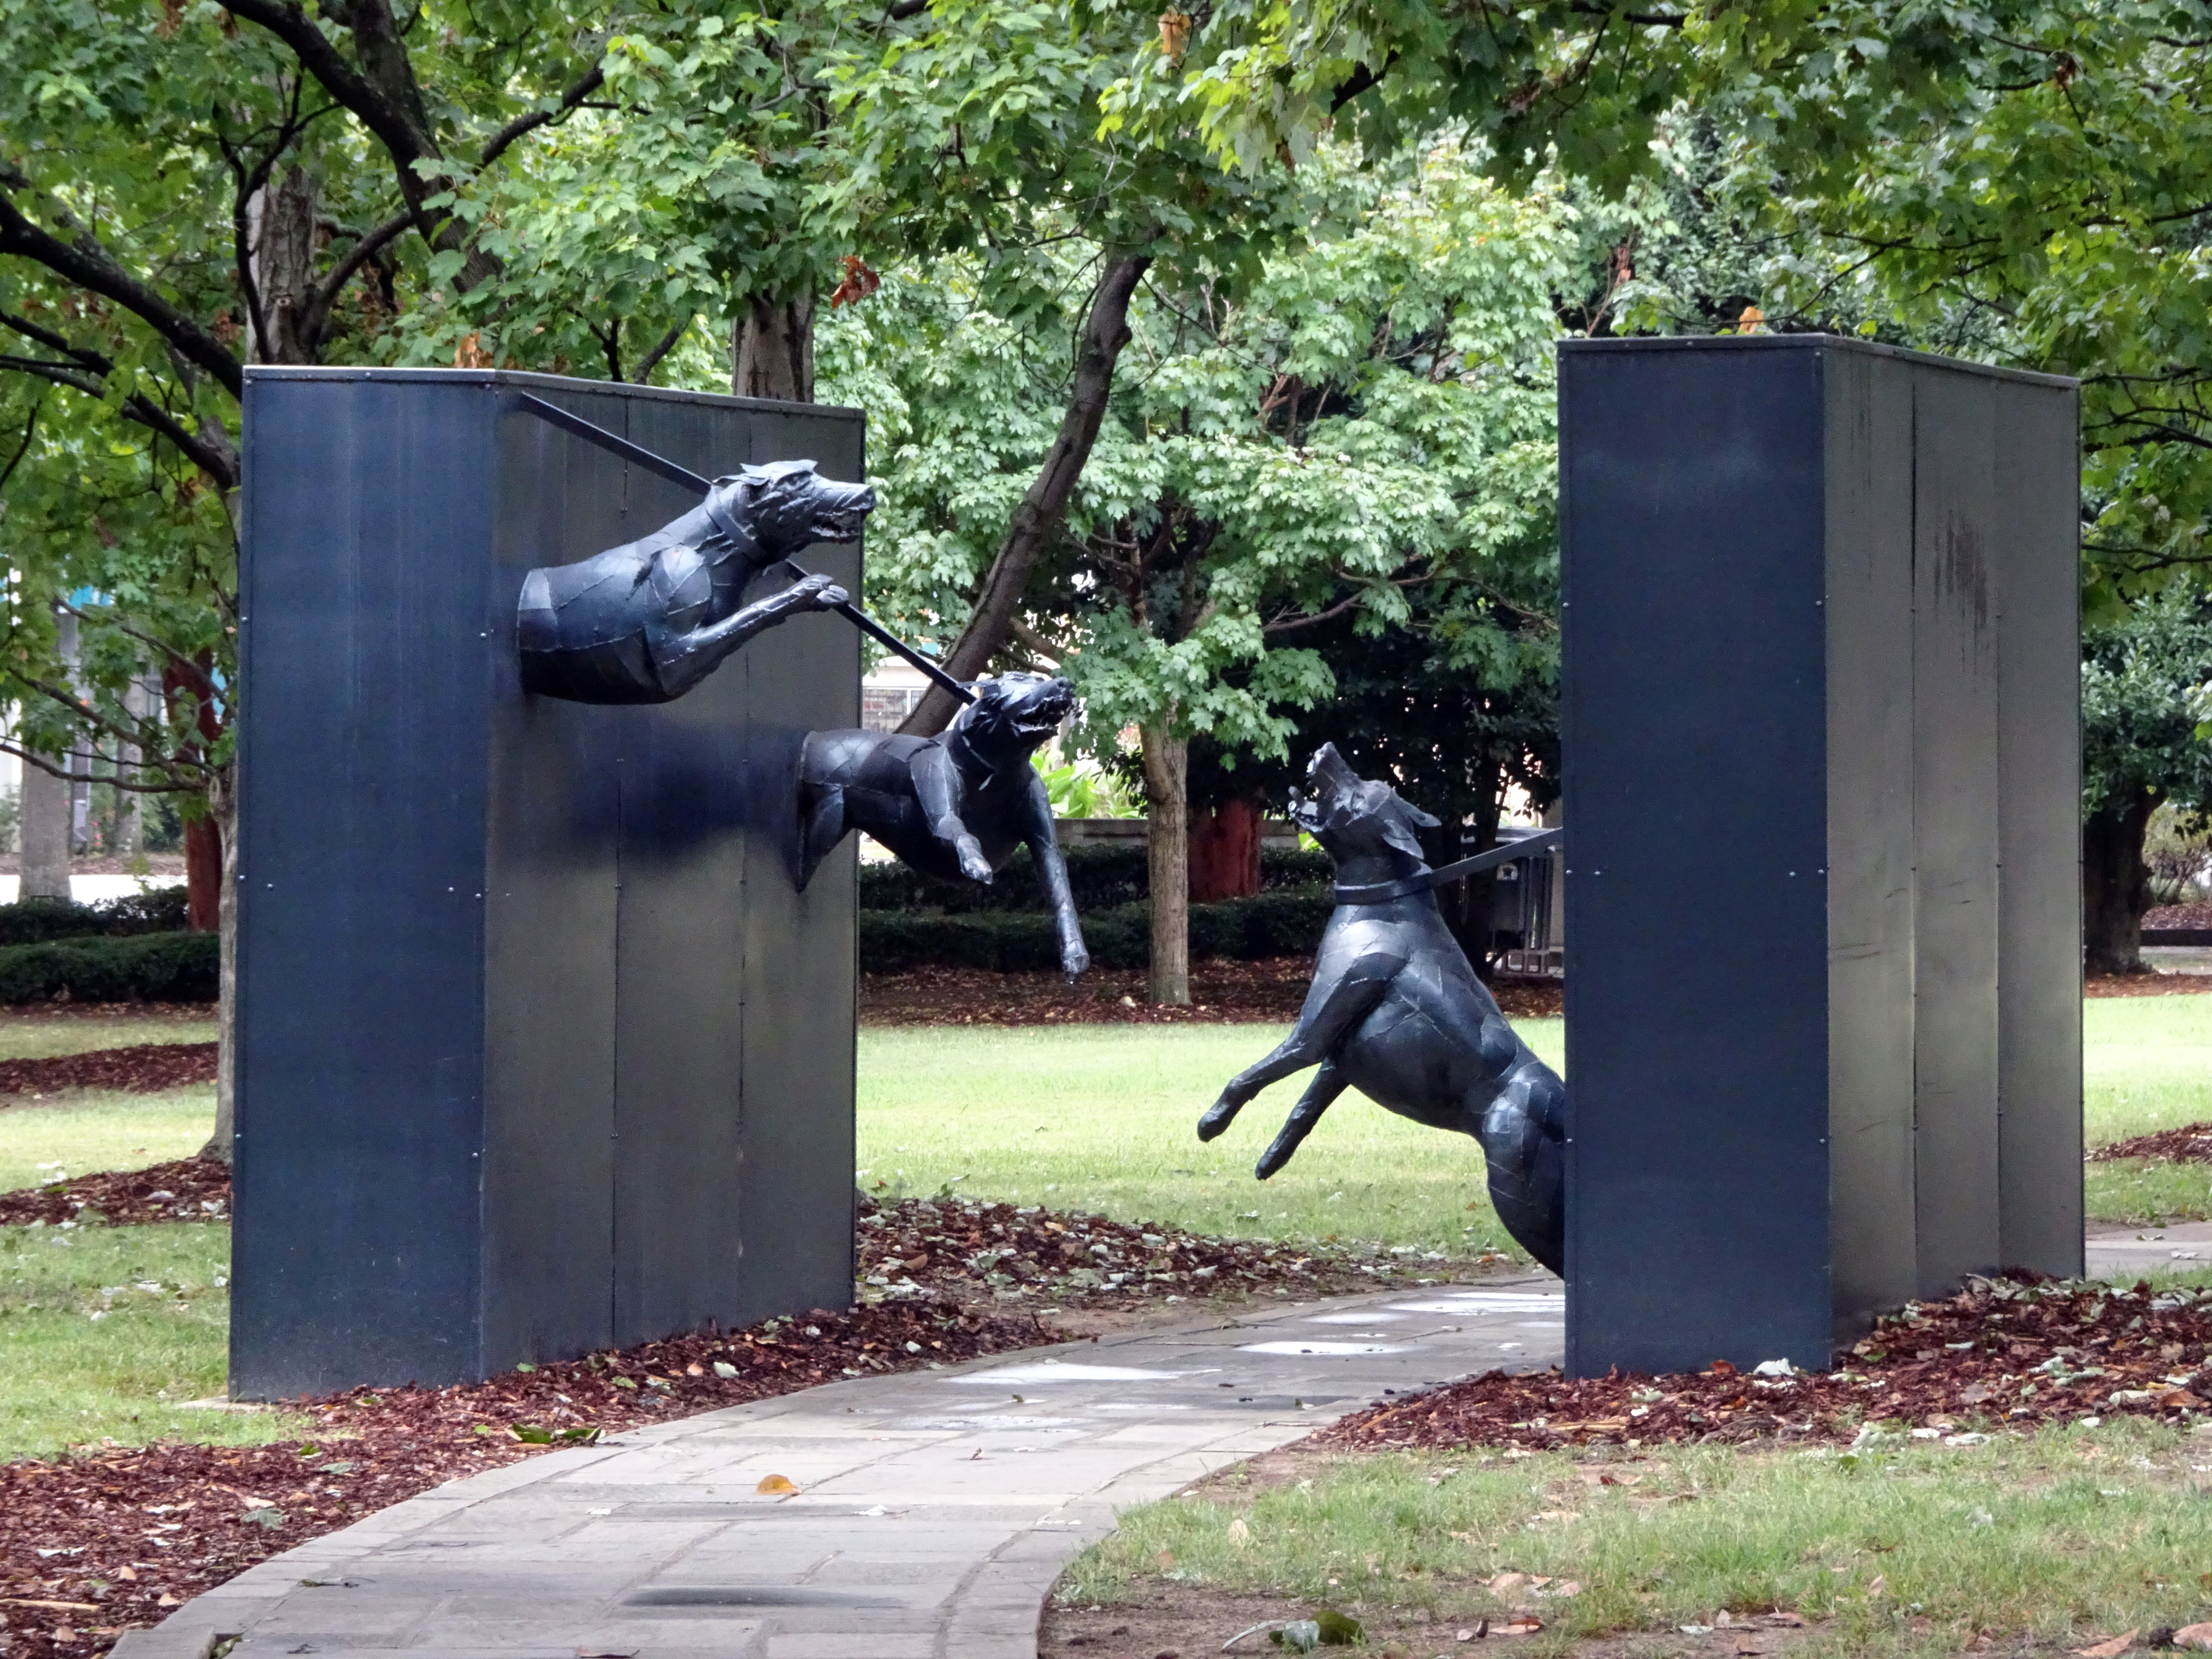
1009	941
174	967
27	921
1101	877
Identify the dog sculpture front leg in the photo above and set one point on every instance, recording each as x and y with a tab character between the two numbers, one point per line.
681	660
1329	1014
937	786
1320	1094
1044	842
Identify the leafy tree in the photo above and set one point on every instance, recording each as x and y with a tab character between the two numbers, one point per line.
1372	417
185	188
2141	747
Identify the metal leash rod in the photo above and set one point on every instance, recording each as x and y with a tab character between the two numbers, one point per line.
554	415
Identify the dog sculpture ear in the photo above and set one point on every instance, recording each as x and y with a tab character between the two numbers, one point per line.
1399	819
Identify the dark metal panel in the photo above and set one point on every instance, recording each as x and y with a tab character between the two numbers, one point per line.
796	1181
1698	1070
550	943
1955	660
684	918
360	836
2039	762
1870	835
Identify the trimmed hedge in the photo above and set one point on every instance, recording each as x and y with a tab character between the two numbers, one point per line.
30	922
144	968
1101	877
1266	924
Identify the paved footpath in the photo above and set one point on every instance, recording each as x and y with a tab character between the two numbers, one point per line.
934	1508
2122	1252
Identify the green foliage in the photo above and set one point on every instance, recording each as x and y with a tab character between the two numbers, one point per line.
1081	788
2140	675
1011	941
1100	875
147	968
27	921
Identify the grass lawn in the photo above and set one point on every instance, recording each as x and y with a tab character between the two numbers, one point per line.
84	1133
107	1331
1092	1117
2066	1534
2147	1064
1103	1117
44	1035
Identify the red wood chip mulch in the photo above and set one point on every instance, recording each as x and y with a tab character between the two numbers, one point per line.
2189	1143
973	1251
111	1540
189	1189
1220	992
108	1541
2008	1354
140	1068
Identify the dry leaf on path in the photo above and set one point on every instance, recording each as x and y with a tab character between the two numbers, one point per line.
775	1486
2112	1650
1522	1626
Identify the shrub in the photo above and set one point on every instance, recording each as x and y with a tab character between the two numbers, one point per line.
27	921
1102	877
1008	941
144	968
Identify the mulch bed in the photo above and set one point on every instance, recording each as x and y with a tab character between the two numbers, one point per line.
2151	982
188	1189
2008	1354
1220	993
140	1068
975	1252
2189	1143
2178	915
113	1539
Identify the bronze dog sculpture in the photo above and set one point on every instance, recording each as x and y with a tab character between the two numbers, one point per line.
953	806
648	620
1397	1013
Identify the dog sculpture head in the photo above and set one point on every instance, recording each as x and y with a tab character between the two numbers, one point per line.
785	506
1356	820
1014	714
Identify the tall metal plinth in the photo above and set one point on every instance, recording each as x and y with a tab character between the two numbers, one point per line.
1821	729
539	1049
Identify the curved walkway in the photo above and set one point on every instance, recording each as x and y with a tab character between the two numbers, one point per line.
934	1508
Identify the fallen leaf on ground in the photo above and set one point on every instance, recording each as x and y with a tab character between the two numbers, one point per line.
1239	1534
2193	1636
1522	1625
775	1486
1507	1583
2112	1650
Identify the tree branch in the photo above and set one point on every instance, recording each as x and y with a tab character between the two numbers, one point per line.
1099	348
220	467
496	145
86	263
667	343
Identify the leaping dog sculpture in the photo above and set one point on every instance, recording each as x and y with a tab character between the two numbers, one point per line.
951	806
1397	1013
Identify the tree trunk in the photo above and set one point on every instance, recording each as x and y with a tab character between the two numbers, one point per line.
1167	846
203	843
2116	882
42	834
1225	852
773	351
1105	331
222	818
282	220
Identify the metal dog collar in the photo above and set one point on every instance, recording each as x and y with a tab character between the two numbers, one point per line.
1381	892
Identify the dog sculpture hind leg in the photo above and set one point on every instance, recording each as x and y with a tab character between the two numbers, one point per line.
1396	1011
